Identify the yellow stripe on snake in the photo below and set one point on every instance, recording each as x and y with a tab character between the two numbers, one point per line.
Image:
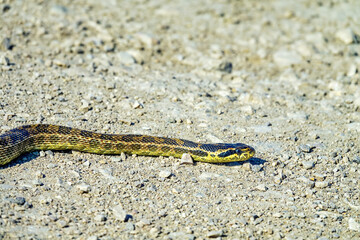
52	137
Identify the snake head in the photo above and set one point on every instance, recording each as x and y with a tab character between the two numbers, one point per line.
244	152
235	152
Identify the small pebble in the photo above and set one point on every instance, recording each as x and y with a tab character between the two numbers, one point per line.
307	181
356	160
84	188
37	182
120	213
52	165
304	49
262	187
6	43
130	226
180	236
285	58
189	122
165	174
215	234
154	232
248	110
100	218
246	166
277	180
148	40
256	168
354	225
87	163
318	177
60	63
322	184
125	58
4	61
62	223
137	105
305	148
346	35
49	153
353	69
39	174
226	67
19	200
308	164
208	176
301	215
143	222
186	159
92	238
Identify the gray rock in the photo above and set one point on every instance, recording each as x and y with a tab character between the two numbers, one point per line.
19	200
356	159
308	164
256	168
307	181
354	225
305	148
226	67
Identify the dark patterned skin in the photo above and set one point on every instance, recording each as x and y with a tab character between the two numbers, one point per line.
29	138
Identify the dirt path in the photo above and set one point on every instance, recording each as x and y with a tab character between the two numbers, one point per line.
281	77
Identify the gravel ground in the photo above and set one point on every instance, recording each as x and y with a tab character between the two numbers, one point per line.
282	77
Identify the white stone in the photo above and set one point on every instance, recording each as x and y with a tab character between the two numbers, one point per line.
322	184
215	234
285	58
208	176
304	49
119	213
186	159
146	39
84	188
346	35
125	58
353	225
308	164
262	188
165	174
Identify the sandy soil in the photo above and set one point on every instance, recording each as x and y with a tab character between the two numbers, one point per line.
281	76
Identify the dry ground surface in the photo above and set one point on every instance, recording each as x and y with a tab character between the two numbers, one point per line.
281	76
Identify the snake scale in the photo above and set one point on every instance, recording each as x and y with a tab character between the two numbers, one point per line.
34	137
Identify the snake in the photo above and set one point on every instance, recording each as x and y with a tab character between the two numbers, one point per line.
34	137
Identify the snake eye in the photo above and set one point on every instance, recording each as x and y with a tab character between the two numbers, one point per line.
237	151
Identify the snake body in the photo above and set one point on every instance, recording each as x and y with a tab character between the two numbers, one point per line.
34	137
